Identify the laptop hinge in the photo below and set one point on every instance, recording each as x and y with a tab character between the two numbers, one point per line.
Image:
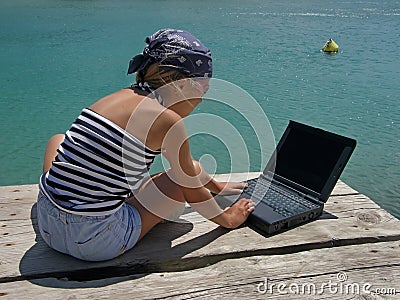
284	186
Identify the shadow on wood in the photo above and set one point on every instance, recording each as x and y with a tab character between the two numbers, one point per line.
154	253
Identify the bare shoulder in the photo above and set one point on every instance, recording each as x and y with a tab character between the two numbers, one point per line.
141	116
151	123
118	106
169	117
168	120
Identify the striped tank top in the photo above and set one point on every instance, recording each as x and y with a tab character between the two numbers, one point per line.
98	166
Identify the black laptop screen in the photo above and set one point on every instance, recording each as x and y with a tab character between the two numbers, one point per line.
308	158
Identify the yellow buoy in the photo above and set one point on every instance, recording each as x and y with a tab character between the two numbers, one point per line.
330	46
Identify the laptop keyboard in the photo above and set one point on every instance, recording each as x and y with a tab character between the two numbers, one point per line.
280	201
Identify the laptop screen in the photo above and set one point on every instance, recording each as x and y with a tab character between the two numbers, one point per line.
308	156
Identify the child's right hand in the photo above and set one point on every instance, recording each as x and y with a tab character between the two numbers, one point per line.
238	213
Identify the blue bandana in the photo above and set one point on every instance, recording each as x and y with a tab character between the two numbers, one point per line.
174	49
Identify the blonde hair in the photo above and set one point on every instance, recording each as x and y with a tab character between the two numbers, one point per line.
156	77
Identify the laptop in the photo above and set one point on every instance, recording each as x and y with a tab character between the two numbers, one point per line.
298	178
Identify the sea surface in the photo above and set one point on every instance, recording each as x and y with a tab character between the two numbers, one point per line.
59	56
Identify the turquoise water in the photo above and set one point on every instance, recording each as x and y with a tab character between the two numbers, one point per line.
57	57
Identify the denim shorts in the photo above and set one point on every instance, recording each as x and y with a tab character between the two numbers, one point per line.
88	237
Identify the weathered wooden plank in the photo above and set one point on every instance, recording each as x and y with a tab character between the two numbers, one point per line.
349	219
340	273
177	246
16	201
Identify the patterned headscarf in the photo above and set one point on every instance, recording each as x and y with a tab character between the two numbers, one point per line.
174	49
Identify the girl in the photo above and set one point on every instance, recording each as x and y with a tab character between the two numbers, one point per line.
96	198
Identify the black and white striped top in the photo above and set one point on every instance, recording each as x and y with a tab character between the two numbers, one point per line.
98	166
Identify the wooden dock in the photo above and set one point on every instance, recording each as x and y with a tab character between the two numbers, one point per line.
351	252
